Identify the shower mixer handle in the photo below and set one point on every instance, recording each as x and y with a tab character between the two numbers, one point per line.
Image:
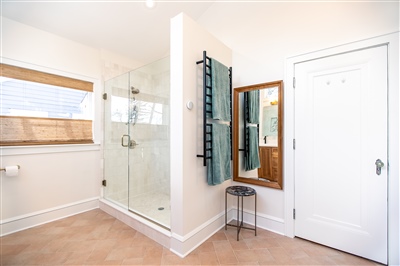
133	144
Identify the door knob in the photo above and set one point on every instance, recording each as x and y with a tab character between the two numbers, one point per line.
379	164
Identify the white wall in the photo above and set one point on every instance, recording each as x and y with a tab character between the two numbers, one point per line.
262	35
54	181
196	208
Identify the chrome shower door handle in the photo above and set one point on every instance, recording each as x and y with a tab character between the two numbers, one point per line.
379	164
122	140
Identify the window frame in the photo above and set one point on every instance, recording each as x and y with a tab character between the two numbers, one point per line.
57	127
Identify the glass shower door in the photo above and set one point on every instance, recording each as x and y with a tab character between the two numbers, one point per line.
149	175
116	138
137	142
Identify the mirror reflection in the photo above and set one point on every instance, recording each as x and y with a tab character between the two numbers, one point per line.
257	146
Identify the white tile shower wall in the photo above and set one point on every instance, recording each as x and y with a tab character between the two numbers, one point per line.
115	164
141	81
116	173
112	70
161	84
149	161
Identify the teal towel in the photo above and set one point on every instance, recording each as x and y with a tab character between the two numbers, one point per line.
220	84
208	92
253	158
219	166
253	102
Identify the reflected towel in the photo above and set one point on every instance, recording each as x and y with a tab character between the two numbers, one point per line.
219	166
220	91
253	102
252	160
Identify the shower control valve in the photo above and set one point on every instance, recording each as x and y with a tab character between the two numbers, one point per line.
133	144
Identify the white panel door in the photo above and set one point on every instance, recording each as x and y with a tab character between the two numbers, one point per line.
340	132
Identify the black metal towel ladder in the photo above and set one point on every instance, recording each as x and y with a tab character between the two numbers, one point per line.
207	107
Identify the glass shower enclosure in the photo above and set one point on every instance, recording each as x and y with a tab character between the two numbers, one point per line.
137	141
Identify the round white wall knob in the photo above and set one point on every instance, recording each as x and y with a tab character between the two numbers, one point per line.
189	105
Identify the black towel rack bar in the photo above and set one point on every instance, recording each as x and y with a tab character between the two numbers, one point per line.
207	127
246	126
246	131
230	107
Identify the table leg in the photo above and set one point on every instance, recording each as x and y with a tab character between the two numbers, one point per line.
255	214
226	219
241	223
237	221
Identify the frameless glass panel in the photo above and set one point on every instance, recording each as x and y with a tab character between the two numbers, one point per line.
149	178
137	142
116	134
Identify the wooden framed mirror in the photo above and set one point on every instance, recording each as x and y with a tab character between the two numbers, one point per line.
258	134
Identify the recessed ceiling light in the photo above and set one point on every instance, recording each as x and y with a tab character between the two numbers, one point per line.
150	3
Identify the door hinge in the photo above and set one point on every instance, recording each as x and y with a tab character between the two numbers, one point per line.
294	82
104	96
104	183
294	214
294	144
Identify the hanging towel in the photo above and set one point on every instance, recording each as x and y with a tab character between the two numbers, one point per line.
220	91
208	94
253	158
219	166
253	102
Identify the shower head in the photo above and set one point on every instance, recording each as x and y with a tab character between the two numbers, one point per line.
134	90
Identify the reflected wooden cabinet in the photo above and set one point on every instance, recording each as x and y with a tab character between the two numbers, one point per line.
269	163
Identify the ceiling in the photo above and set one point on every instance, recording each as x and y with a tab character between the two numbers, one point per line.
127	28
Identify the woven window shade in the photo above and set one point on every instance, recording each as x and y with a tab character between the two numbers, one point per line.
44	78
39	131
21	130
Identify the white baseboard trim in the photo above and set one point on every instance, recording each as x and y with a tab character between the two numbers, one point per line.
266	222
22	222
183	245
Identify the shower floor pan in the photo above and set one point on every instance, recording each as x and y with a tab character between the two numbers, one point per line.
154	206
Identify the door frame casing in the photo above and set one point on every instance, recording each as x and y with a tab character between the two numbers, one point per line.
392	42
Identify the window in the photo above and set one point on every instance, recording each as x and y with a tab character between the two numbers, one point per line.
40	108
135	111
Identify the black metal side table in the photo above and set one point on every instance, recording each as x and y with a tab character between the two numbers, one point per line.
240	192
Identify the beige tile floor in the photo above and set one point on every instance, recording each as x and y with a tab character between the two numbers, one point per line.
96	238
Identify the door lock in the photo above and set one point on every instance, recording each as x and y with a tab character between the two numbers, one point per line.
379	164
